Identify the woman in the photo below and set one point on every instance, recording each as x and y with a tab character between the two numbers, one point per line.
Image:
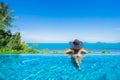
76	51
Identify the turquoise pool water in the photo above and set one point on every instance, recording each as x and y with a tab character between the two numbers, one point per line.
59	67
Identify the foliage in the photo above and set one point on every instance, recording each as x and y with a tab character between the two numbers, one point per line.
106	51
8	51
45	51
10	43
90	51
4	37
56	51
15	42
109	51
5	16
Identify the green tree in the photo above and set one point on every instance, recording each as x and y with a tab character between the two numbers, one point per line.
5	16
15	42
4	37
10	42
5	22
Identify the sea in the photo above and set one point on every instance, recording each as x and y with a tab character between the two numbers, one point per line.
95	47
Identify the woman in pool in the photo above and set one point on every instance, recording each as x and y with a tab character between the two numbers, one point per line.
76	51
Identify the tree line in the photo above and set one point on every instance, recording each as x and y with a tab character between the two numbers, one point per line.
8	41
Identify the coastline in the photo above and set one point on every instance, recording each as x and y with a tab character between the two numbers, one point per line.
48	51
58	48
58	54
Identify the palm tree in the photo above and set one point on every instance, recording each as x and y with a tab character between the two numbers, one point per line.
5	16
5	22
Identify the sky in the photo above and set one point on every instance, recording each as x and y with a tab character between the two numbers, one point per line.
51	21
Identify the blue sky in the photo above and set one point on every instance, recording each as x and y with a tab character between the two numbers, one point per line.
66	20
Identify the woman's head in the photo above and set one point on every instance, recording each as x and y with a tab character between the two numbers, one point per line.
76	44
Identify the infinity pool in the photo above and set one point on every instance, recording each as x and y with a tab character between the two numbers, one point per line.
59	67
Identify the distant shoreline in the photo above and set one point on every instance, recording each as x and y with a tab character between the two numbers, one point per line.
56	54
68	42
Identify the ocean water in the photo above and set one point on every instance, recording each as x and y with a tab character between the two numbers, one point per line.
59	67
96	47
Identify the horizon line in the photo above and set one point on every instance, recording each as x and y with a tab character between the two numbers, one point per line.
68	42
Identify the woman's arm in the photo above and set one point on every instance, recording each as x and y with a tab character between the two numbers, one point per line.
67	51
83	50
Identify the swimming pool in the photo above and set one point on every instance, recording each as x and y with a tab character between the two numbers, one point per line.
59	67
